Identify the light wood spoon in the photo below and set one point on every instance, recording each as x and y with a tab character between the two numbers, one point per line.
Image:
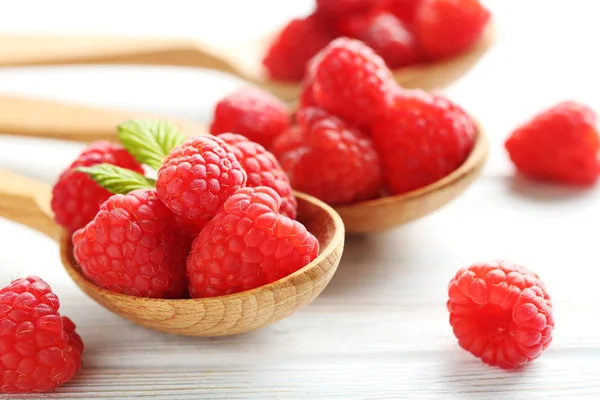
28	202
243	60
49	119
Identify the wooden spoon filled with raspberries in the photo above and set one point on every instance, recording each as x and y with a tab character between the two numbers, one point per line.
214	242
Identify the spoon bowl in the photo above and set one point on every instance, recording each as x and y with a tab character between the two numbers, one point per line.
388	212
26	201
243	60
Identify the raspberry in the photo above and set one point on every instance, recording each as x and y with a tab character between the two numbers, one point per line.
287	141
248	244
560	144
404	10
501	313
76	198
198	176
344	7
423	139
445	28
39	349
299	40
253	113
385	34
334	161
352	82
133	247
262	169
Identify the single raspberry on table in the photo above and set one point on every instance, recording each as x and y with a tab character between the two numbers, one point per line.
560	144
424	138
446	28
198	176
132	246
404	10
76	198
297	42
334	161
384	33
39	349
352	81
251	112
262	169
500	312
248	244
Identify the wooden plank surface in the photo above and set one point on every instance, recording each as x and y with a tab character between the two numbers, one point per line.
380	330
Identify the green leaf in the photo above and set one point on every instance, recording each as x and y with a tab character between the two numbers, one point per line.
149	141
117	180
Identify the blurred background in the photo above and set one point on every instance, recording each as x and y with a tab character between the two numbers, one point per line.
545	51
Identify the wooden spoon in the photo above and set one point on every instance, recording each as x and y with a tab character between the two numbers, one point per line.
67	121
27	201
243	60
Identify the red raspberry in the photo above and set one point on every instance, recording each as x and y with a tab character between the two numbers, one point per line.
405	10
424	138
133	247
560	144
334	161
39	349
501	313
353	82
287	141
251	112
445	28
76	198
344	7
198	176
385	34
262	169
248	244
299	40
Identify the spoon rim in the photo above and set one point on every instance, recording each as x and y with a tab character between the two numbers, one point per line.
476	156
334	243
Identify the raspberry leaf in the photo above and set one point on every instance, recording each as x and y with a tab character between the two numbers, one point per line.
117	180
149	141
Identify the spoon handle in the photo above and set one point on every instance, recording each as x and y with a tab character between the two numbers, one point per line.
27	201
48	119
20	50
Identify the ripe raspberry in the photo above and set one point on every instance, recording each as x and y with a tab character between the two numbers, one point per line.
560	144
344	7
404	10
133	247
424	138
287	141
353	82
299	40
445	28
262	169
39	349
76	198
198	176
334	161
248	244
251	112
385	34
501	313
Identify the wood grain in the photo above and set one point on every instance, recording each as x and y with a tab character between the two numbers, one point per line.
23	116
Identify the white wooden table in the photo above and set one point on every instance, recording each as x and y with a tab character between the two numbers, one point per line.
380	330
